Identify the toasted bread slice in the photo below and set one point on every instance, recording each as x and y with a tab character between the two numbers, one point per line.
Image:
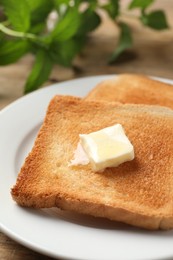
139	192
136	89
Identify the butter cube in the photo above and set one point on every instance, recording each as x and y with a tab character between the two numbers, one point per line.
108	147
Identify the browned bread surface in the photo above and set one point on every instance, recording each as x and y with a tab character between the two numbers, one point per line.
131	88
139	192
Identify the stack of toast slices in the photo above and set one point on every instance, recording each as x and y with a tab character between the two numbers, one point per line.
138	192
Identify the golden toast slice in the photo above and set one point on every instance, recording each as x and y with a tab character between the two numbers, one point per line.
139	192
136	89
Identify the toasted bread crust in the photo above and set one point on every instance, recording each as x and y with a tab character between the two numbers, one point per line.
135	89
139	192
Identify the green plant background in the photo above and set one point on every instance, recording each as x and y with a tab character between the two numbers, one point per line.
24	29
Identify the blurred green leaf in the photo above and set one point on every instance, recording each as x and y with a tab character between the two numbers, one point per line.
92	4
112	8
143	4
125	42
63	53
155	20
36	4
40	71
85	26
18	14
11	51
39	9
37	28
1	37
58	3
67	26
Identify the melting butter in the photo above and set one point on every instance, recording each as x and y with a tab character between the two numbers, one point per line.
108	147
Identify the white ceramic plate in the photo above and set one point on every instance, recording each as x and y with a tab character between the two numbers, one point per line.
51	231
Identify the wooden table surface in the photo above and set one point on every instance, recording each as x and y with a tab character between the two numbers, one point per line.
152	54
